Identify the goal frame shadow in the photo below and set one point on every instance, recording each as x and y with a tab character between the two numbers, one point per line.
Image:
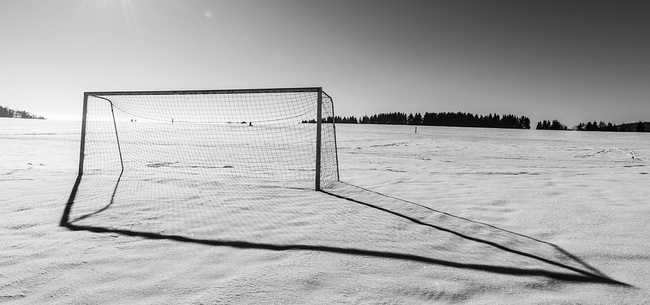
587	275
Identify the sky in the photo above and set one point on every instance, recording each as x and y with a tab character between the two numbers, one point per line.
575	61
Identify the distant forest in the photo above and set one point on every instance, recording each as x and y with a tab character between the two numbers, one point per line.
462	119
601	126
548	125
596	126
10	113
458	119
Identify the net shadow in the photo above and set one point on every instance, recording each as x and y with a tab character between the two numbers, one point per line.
564	265
470	230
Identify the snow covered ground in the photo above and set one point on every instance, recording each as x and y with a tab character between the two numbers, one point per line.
445	215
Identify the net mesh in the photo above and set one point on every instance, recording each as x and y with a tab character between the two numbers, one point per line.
197	155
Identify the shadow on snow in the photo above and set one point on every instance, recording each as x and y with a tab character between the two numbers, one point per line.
467	229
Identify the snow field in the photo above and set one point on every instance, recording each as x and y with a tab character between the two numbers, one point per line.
528	191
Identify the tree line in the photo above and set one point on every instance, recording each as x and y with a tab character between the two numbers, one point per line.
457	119
548	125
461	119
595	126
335	119
6	112
601	126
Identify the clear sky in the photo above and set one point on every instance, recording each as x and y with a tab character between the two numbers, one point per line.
568	60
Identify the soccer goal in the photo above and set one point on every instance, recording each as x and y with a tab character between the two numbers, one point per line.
175	143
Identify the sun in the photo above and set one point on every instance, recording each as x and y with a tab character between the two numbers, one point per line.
125	9
130	14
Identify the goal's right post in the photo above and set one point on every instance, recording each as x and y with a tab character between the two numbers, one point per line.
327	169
319	119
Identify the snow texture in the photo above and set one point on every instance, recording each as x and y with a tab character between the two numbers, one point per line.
444	215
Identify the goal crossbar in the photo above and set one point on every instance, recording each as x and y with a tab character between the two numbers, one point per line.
215	91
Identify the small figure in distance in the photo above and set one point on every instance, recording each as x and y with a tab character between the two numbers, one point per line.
172	120
250	123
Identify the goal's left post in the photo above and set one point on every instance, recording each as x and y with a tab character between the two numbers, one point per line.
83	134
65	218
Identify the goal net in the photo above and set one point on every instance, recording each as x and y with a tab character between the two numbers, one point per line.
142	151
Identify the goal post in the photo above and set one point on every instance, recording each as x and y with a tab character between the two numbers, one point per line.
319	139
194	139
